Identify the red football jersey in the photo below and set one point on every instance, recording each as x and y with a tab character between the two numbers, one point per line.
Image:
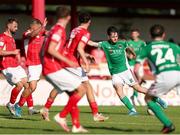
32	47
7	43
57	34
77	34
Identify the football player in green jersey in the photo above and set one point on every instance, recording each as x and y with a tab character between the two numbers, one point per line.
137	44
164	56
115	51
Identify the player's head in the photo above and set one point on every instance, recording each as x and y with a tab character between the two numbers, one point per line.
84	18
157	31
135	33
112	33
12	25
35	24
63	12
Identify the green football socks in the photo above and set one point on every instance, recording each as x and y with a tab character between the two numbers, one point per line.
159	113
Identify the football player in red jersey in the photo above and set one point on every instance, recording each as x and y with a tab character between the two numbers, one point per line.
10	63
74	50
62	79
32	42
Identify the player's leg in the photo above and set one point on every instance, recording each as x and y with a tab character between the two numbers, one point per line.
60	118
162	85
134	98
64	80
26	92
30	103
90	95
92	102
118	82
124	99
45	110
168	125
76	127
14	93
13	78
34	73
156	99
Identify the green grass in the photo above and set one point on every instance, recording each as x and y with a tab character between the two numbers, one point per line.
119	122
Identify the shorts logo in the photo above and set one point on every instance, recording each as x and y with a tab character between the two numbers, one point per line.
131	80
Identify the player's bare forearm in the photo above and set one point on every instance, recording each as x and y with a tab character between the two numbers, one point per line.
6	53
80	50
92	43
130	53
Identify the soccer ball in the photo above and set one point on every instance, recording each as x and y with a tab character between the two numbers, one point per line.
150	112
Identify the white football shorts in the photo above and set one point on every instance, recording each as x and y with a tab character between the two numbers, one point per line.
125	77
14	74
34	72
164	82
64	80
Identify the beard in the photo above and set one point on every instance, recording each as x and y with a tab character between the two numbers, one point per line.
13	32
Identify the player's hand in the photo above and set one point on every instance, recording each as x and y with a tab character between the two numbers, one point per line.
91	59
45	22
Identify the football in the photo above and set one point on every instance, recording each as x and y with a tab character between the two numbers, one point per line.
150	112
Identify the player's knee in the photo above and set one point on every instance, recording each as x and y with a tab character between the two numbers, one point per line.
19	86
33	87
147	98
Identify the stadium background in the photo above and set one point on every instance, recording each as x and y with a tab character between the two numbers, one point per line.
124	14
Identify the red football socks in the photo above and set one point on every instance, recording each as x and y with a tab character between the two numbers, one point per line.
75	116
30	101
73	100
14	94
94	108
49	103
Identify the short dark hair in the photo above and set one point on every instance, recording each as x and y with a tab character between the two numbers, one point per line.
11	20
36	21
62	12
157	30
112	29
135	30
84	17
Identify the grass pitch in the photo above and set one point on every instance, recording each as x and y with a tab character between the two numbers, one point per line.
118	123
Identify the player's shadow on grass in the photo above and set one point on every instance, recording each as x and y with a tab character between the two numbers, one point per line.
24	128
107	113
123	130
16	118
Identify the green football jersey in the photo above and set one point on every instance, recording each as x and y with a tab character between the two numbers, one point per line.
163	55
137	46
115	56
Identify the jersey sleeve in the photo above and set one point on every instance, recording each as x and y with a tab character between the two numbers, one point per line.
142	55
2	42
100	44
56	37
85	38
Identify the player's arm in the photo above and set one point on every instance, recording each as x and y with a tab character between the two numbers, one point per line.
52	51
90	58
130	53
38	30
92	43
6	53
80	50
